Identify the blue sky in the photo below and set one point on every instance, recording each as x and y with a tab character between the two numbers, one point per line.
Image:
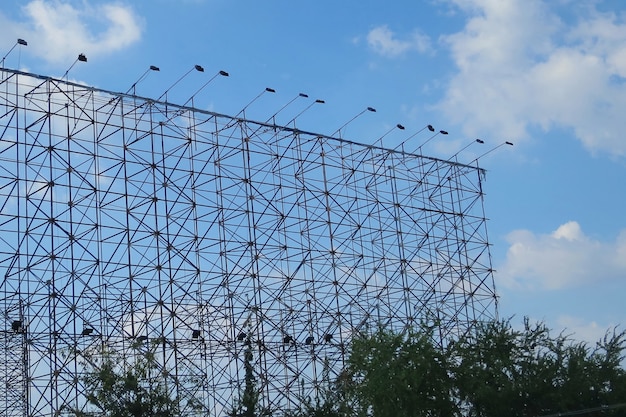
549	76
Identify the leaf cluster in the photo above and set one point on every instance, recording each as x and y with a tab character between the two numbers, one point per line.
400	374
495	370
502	371
126	384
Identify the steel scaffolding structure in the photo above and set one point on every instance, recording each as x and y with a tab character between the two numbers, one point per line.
125	220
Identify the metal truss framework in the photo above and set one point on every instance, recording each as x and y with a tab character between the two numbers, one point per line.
125	220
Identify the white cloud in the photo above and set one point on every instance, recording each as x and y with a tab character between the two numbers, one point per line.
564	258
58	31
521	66
582	330
384	42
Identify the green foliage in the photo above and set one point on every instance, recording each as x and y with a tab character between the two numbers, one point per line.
593	377
493	371
399	374
500	371
126	384
247	405
331	400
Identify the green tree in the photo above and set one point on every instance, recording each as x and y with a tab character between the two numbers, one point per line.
500	371
593	377
127	384
492	371
331	398
247	405
399	374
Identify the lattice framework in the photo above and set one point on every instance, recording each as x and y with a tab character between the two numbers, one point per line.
125	220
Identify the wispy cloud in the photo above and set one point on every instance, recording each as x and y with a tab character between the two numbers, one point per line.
58	31
384	42
519	66
564	258
584	330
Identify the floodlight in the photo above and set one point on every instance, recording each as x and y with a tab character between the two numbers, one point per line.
338	131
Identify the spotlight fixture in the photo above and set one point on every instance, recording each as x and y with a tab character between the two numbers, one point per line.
195	67
81	58
398	126
219	73
272	117
338	131
441	132
265	90
143	76
19	42
479	141
493	149
317	101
